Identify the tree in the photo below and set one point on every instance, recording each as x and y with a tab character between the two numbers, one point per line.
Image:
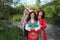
5	8
38	3
15	2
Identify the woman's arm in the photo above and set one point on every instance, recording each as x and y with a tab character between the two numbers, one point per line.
44	24
38	28
27	28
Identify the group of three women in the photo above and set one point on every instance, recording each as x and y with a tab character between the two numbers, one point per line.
34	25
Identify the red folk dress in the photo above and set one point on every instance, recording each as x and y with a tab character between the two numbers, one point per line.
32	34
42	30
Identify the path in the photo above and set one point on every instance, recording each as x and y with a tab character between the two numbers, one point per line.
53	31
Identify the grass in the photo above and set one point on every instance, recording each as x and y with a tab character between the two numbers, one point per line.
10	33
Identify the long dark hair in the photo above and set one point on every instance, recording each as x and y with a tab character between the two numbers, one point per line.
35	18
43	16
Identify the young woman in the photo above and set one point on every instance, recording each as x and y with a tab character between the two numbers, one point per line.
32	26
42	21
23	21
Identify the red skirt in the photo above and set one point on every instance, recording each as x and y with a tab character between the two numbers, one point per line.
33	35
43	34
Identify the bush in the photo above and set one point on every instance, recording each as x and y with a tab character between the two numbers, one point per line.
16	17
10	33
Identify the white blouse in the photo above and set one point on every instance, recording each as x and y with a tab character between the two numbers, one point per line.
36	28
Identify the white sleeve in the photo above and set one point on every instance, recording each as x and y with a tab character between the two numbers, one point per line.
37	28
27	28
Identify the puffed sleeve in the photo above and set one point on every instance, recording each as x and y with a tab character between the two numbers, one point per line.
37	28
27	28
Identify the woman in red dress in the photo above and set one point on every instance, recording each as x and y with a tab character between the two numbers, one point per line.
43	25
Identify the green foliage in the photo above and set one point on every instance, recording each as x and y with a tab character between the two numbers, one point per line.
16	17
51	9
4	13
10	33
10	13
33	7
38	3
52	12
20	8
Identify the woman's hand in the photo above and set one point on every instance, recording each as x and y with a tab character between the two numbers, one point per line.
40	25
32	28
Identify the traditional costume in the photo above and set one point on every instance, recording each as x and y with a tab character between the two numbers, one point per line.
42	30
23	21
32	34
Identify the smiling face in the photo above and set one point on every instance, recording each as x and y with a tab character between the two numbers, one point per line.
32	15
26	11
40	13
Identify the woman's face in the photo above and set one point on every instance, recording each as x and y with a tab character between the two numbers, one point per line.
26	12
32	15
40	13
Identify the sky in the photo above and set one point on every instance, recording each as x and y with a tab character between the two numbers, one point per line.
30	2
